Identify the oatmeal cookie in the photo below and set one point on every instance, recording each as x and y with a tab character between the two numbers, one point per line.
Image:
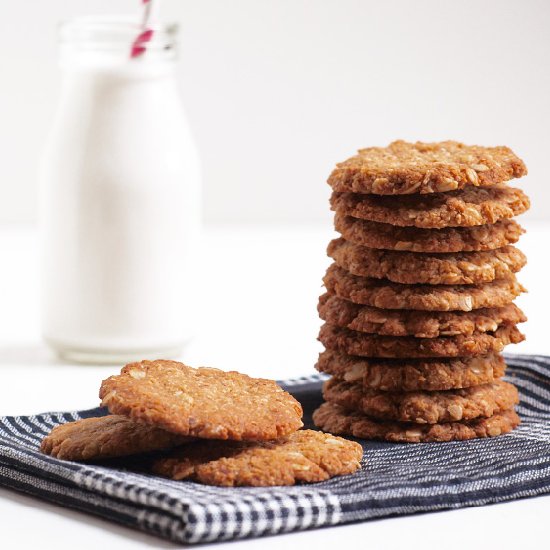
387	295
306	456
369	345
412	374
204	402
413	239
422	407
420	324
410	267
106	437
468	207
403	168
331	417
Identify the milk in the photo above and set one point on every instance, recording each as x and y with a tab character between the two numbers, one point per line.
120	209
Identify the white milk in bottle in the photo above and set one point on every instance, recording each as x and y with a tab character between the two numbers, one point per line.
119	199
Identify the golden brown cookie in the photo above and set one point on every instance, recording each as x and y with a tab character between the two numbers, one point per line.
413	239
387	295
369	345
403	168
306	456
331	417
468	207
412	374
460	268
423	407
421	324
206	403
106	437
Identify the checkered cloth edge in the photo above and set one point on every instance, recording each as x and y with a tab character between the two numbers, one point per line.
395	478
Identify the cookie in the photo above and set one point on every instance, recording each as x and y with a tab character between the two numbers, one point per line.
106	437
423	407
204	402
387	295
412	374
420	324
306	456
460	268
335	419
468	207
403	168
369	345
413	239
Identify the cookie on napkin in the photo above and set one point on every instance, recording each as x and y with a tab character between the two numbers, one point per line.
204	402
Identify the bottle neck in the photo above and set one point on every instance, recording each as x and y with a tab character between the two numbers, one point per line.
101	42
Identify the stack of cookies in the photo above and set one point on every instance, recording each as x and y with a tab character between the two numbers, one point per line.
206	425
419	298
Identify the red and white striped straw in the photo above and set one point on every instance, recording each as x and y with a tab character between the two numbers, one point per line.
139	45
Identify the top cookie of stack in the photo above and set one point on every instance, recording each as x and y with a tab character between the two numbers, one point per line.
419	297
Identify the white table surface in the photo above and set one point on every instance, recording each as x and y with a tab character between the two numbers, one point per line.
261	319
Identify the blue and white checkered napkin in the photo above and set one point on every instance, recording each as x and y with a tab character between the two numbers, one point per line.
395	478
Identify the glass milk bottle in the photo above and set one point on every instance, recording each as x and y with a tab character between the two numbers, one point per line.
119	199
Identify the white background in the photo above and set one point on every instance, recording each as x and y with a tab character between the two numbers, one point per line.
277	91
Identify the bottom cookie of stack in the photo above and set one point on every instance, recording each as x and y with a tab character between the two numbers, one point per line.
337	420
417	415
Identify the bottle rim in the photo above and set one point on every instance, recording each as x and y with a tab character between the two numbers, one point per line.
113	33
